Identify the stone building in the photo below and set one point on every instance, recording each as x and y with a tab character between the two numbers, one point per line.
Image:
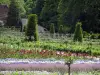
3	12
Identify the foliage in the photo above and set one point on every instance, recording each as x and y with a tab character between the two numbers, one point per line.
4	2
50	73
95	36
63	12
14	40
14	18
61	29
22	9
39	4
85	34
70	11
38	8
49	13
29	5
32	27
99	36
21	5
78	36
52	28
24	28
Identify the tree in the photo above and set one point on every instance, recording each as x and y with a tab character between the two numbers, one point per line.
29	5
86	11
92	17
49	13
14	17
38	8
25	0
4	2
78	35
21	5
62	12
32	27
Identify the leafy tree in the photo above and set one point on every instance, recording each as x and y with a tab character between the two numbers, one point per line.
29	5
78	35
92	17
38	8
4	2
62	11
25	0
86	11
14	18
32	27
49	13
21	4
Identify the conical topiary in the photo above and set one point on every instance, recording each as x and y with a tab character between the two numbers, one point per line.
78	35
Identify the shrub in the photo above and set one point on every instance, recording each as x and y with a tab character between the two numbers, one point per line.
93	36
61	29
24	28
99	36
31	29
78	35
52	29
85	34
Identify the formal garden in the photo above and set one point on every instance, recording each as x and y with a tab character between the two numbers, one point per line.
49	49
68	45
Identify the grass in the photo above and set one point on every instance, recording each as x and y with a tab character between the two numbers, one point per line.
11	40
49	73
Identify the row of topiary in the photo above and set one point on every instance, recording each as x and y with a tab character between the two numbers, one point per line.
31	29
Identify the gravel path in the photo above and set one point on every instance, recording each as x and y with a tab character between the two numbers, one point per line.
48	67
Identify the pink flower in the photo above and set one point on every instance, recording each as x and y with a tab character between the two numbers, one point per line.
58	53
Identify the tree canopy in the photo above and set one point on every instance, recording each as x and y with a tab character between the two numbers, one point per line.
14	18
64	12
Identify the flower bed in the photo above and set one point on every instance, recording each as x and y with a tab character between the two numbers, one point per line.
50	65
45	73
42	54
46	61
